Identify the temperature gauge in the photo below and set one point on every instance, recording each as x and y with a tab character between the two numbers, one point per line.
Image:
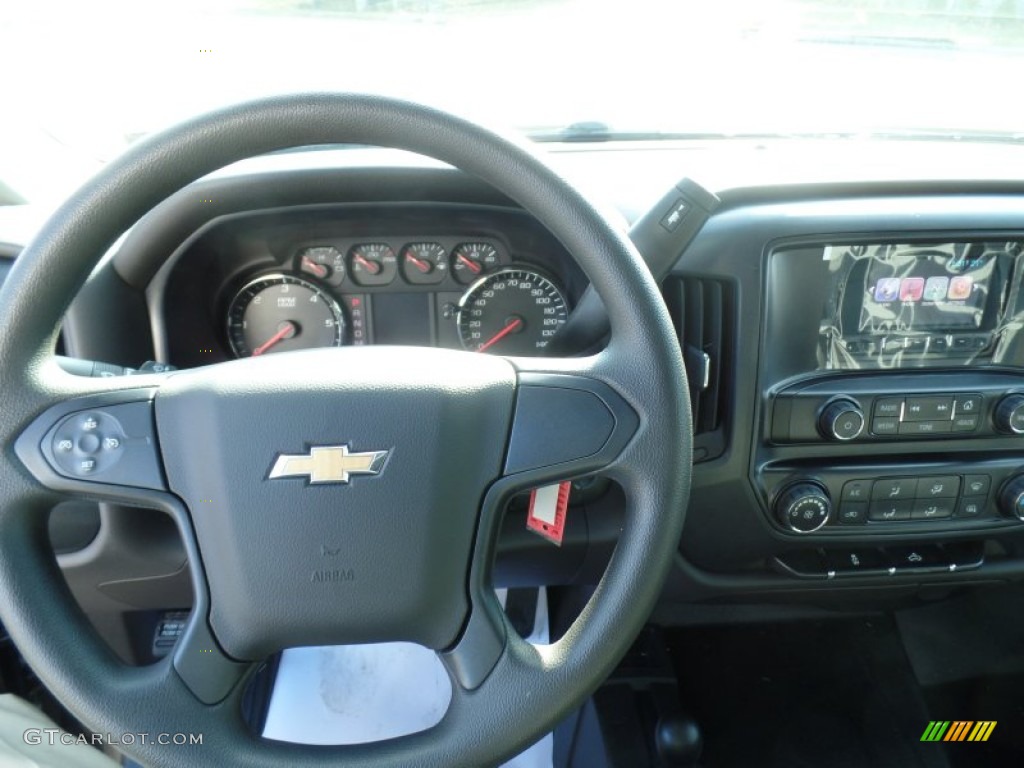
372	264
472	260
424	263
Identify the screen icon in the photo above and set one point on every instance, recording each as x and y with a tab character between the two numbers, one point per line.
935	289
911	288
960	287
887	289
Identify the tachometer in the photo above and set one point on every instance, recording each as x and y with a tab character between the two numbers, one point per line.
278	313
514	311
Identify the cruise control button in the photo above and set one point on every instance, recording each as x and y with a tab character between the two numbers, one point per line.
889	406
86	466
853	512
894	488
932	509
885	425
924	427
856	490
88	443
928	409
977	485
938	487
968	404
890	510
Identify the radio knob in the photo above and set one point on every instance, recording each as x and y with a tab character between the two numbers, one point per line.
804	507
841	420
1009	415
1011	498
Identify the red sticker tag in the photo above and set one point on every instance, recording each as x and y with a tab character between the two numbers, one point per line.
547	511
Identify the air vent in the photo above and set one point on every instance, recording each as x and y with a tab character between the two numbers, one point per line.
702	311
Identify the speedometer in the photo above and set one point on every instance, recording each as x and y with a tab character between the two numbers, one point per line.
514	311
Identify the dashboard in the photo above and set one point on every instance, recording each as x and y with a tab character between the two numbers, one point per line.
479	278
853	348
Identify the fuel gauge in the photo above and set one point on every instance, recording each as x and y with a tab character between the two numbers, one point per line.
372	264
324	262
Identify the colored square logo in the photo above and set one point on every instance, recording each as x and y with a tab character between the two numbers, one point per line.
960	287
887	289
935	289
911	288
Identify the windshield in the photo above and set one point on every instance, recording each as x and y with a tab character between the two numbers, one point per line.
84	79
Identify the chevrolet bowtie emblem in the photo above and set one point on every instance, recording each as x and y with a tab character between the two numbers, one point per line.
328	464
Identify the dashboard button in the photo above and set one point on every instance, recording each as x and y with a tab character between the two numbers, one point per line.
971	506
883	511
885	426
853	561
968	404
925	556
965	423
924	427
856	490
889	406
853	512
932	509
977	485
938	487
928	408
894	488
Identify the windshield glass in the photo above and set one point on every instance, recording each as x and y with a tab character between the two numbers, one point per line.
84	79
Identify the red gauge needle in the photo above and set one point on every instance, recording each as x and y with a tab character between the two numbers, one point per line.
512	326
286	331
311	266
420	264
372	267
471	265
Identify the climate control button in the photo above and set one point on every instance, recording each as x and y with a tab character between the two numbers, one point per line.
804	507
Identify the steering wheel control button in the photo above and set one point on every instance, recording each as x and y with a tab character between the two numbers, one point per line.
804	508
89	443
114	444
894	489
1009	415
841	420
890	511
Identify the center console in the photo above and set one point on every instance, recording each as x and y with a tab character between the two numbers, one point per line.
892	373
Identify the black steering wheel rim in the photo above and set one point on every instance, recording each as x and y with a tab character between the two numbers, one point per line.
528	689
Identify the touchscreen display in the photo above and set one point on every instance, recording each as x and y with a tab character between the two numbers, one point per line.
897	305
925	288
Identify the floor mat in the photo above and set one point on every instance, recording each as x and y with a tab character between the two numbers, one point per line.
836	694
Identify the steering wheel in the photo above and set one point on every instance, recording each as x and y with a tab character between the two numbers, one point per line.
334	496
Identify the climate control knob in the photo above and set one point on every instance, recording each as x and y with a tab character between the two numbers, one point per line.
1009	415
804	507
841	420
1011	498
